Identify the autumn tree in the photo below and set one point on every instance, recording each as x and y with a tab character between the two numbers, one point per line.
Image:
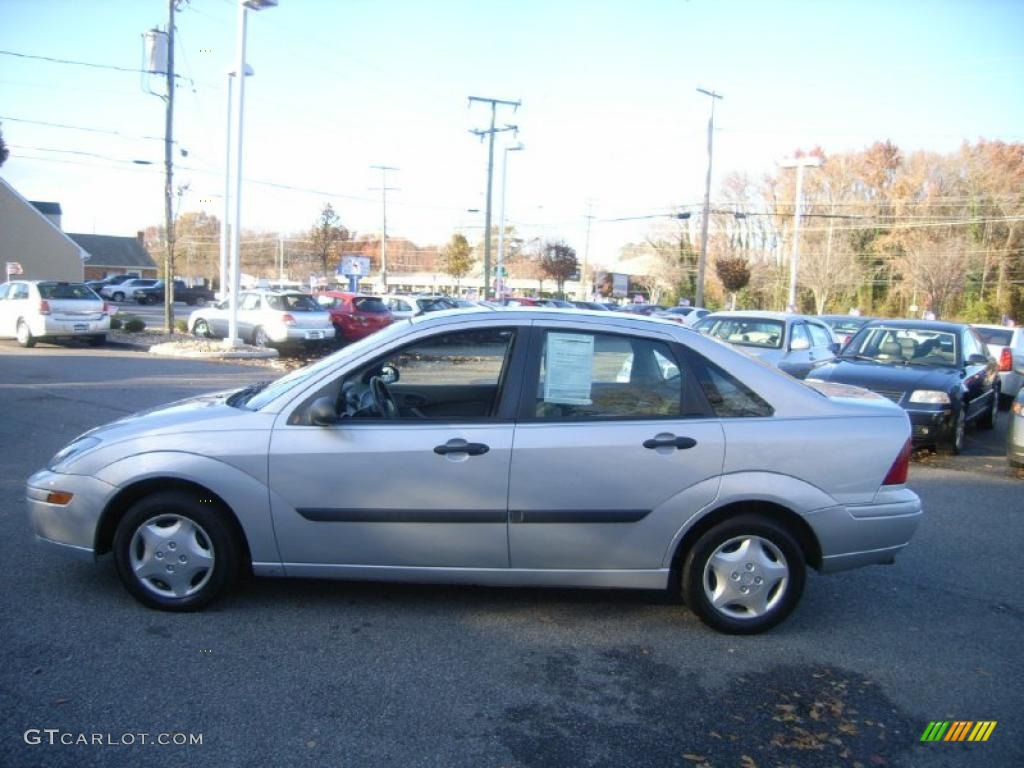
457	257
558	262
327	236
734	272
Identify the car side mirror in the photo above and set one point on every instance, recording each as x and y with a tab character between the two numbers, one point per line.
389	374
834	347
322	412
798	344
977	359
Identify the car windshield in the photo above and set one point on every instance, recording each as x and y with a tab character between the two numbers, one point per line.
301	376
904	346
846	326
293	302
998	336
744	331
369	304
66	291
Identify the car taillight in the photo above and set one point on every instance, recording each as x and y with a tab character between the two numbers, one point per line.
287	319
898	471
44	307
107	309
1006	360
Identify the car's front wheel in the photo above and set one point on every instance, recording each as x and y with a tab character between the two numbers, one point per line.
176	551
118	296
260	337
958	431
744	575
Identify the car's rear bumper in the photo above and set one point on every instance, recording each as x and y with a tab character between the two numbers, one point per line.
296	336
1010	382
866	534
50	327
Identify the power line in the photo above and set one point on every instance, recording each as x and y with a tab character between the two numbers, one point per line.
80	128
54	60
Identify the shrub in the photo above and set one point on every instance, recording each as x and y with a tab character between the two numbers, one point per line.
115	323
181	326
134	324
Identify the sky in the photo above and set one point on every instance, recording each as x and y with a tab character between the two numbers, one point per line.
610	118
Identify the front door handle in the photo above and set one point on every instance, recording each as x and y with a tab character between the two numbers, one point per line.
461	446
670	441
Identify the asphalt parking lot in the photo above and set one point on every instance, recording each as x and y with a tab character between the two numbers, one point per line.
317	673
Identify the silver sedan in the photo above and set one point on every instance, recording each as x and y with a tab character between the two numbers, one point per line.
503	448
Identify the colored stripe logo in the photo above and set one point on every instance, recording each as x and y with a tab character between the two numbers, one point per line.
958	730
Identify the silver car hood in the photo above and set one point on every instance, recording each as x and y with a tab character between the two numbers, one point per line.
205	413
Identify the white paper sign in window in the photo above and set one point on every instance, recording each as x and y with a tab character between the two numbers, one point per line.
569	368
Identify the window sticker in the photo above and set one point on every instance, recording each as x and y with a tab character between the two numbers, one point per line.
569	368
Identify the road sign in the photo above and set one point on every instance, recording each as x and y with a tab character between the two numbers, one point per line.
14	268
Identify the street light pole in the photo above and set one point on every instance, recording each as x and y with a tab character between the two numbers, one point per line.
809	161
236	230
223	276
702	262
384	189
499	281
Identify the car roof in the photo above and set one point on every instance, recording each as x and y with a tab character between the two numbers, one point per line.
754	313
921	325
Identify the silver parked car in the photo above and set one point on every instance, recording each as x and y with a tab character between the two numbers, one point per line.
795	344
499	448
1015	433
1006	345
277	318
31	310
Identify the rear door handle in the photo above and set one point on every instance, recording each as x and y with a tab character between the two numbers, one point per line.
461	446
670	441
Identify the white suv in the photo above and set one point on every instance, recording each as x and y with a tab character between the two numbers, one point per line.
125	290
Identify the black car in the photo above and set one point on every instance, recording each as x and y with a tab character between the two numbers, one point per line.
941	373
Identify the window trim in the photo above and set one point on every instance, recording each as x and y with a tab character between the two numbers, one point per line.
530	380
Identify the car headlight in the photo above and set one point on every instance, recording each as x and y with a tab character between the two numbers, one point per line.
72	451
933	396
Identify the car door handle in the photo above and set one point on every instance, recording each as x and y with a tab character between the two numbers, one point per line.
461	446
670	441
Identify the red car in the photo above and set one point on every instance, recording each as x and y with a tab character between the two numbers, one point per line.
355	315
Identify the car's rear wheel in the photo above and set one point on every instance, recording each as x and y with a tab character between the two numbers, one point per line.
988	419
98	340
744	575
24	335
200	301
201	329
260	337
118	296
176	551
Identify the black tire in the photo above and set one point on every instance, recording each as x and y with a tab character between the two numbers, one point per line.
201	329
25	337
200	301
98	340
783	594
259	337
118	296
190	302
987	420
212	533
955	446
1005	401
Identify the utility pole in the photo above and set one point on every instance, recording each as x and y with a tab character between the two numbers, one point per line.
489	132
384	189
172	7
702	262
586	288
808	161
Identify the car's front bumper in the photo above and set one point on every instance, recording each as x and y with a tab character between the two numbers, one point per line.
70	527
866	534
930	426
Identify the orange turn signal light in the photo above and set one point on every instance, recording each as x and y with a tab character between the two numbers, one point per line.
59	497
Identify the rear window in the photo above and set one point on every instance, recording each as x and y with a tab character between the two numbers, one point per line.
745	331
998	336
369	304
66	291
293	302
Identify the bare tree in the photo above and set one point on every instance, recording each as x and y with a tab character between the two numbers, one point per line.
327	236
458	258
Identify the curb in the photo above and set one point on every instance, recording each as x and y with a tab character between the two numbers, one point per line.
172	349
